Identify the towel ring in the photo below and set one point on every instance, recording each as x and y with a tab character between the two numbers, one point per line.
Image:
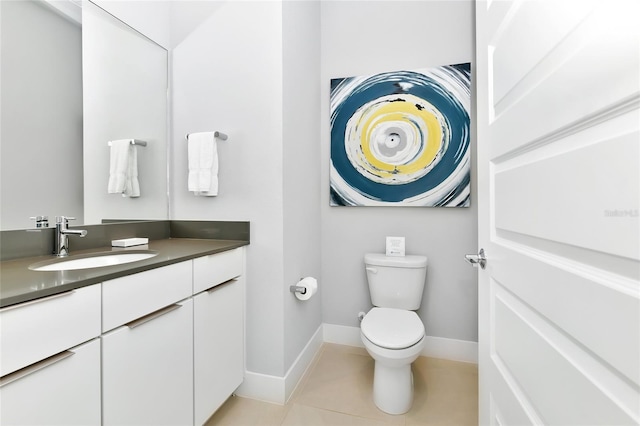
216	134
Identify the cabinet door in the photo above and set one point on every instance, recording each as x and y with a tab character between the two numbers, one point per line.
218	346
148	369
60	390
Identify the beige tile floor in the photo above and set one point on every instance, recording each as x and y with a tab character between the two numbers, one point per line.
336	390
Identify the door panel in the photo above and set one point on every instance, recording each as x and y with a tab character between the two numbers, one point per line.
517	52
600	312
589	75
531	348
553	197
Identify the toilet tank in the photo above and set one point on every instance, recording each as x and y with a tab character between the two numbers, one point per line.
396	281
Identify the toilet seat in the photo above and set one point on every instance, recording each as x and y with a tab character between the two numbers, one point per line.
392	328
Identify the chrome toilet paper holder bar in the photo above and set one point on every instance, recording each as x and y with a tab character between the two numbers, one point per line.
297	289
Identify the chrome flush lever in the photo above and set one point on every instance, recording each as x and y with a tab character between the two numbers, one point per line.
476	259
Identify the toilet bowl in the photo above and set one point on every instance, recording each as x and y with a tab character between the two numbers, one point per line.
394	338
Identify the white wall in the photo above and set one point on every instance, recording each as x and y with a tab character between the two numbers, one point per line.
41	107
251	70
360	38
125	97
227	76
301	74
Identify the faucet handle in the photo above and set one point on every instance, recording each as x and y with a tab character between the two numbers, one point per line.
41	221
64	219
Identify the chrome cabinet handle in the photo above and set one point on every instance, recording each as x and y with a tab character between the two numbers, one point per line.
26	371
222	284
152	316
34	301
476	259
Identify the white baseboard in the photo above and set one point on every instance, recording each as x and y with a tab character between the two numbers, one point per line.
262	387
451	349
302	363
435	347
277	390
342	335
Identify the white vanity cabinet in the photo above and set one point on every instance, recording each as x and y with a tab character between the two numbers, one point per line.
159	347
218	330
173	341
147	359
50	360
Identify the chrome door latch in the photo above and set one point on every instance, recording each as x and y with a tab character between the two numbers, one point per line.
476	259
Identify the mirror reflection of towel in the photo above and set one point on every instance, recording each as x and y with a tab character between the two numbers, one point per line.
123	169
203	164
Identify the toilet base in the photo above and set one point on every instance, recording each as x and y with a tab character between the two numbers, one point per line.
392	376
393	388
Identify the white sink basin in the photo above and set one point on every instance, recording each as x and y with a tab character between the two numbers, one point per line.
95	260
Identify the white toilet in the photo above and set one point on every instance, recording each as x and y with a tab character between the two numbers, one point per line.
392	332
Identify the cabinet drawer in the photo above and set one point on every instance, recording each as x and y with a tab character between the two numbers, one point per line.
41	328
128	298
60	391
214	269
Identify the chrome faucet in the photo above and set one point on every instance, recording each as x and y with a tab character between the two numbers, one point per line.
61	248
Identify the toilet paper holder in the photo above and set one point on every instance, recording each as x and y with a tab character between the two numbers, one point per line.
305	288
297	289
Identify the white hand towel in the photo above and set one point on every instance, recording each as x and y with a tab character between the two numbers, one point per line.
118	166
203	164
133	185
123	169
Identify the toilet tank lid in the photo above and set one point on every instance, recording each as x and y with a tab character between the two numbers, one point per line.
409	261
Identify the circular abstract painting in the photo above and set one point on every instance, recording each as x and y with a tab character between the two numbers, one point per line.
402	138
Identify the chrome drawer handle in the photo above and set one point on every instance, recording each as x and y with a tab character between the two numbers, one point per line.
153	315
222	284
30	369
41	300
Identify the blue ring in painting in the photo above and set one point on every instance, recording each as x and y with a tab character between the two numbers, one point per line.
422	87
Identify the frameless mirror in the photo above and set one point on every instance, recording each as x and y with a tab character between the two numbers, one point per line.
67	89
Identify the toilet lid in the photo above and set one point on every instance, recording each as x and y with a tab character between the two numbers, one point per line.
392	328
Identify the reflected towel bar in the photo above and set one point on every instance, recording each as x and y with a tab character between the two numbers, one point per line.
133	142
216	134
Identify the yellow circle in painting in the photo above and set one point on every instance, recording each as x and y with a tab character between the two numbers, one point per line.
400	111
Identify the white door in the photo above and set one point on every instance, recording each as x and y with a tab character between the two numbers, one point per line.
558	181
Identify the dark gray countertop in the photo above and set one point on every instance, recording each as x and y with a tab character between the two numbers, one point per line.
20	284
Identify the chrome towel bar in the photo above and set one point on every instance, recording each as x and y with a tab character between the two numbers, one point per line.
216	134
133	142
